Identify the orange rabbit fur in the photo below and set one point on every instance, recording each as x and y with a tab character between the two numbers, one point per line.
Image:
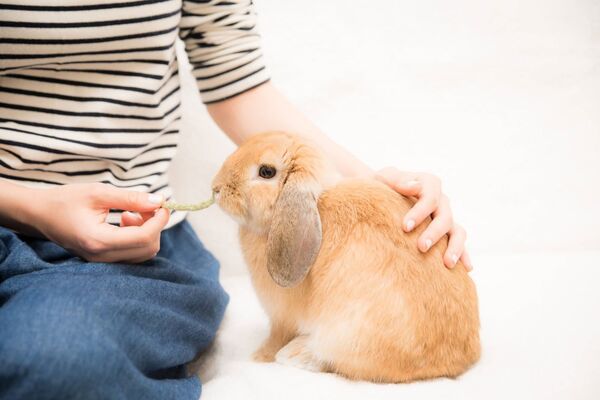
345	288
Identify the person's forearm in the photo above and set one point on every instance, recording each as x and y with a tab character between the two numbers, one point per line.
16	206
266	109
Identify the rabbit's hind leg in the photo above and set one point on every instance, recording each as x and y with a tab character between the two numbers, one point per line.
298	354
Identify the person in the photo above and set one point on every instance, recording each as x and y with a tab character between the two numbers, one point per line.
103	294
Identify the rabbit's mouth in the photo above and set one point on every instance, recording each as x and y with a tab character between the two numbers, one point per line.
230	203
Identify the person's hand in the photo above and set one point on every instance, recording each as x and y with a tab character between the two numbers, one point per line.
427	189
73	216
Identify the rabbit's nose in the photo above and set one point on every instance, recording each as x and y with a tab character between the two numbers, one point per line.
216	189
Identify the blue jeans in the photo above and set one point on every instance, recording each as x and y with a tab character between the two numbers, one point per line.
71	329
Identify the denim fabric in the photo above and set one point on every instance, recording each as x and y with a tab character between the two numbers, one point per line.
71	329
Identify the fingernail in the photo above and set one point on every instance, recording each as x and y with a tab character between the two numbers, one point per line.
410	224
428	244
454	259
155	198
411	183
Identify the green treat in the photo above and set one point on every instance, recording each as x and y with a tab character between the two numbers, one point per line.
171	205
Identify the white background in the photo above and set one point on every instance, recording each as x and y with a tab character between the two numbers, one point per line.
501	99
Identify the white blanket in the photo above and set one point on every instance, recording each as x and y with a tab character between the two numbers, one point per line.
540	333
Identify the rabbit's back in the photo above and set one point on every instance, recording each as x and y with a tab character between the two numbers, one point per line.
380	309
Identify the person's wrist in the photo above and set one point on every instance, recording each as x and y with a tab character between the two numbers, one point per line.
30	204
358	170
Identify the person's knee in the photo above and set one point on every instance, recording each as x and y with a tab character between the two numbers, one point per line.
47	369
57	359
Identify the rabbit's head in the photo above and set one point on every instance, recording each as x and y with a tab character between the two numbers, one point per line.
270	185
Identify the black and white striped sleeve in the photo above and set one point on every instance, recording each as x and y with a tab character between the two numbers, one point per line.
223	46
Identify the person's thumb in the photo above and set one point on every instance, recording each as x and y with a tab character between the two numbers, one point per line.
128	200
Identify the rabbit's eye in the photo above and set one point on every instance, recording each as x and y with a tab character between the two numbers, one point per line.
267	171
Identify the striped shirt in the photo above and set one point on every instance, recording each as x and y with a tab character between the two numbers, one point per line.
89	89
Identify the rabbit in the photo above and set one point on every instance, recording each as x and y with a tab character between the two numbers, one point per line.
345	288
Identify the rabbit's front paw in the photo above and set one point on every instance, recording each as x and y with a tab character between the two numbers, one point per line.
264	354
297	354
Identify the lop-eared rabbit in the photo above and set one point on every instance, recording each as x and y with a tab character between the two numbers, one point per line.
345	288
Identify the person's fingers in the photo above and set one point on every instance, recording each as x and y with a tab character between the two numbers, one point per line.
426	187
158	221
428	203
135	219
154	226
146	215
456	246
131	219
122	199
139	255
107	237
466	259
129	256
139	236
440	225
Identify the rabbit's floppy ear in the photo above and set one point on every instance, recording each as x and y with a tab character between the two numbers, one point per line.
295	235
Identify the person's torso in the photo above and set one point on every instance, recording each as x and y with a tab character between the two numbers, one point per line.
89	92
